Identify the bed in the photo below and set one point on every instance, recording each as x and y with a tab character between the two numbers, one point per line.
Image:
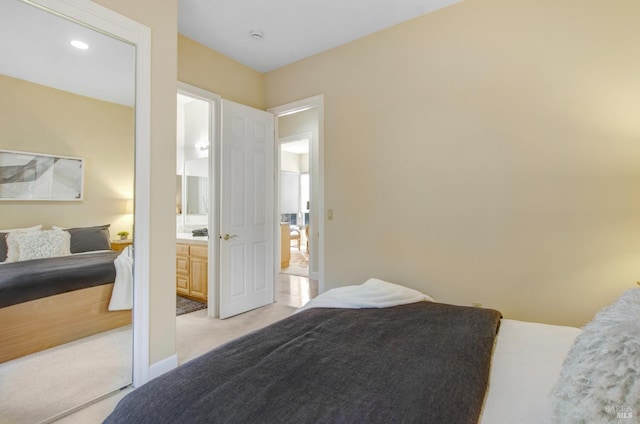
48	301
378	360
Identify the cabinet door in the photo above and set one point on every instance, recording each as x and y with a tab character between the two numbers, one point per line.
182	268
182	275
198	277
182	284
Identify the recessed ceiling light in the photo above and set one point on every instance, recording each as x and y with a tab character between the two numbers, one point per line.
79	44
256	35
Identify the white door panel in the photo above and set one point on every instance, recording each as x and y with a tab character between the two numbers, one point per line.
247	201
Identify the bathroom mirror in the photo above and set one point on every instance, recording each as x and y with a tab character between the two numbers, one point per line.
192	195
197	187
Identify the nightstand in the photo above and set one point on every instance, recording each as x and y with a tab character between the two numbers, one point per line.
119	245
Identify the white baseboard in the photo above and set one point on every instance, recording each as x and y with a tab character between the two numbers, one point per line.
163	366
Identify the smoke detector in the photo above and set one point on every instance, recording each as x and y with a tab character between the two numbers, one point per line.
256	35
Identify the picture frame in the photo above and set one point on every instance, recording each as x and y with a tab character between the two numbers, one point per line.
40	176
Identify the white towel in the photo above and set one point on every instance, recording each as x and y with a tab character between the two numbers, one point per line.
122	295
373	293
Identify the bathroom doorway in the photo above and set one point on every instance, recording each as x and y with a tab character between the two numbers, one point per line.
195	195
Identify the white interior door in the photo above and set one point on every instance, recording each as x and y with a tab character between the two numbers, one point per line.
247	207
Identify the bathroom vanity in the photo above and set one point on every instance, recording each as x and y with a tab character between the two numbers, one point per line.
192	262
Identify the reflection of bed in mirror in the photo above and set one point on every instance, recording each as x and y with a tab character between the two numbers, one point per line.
49	301
83	104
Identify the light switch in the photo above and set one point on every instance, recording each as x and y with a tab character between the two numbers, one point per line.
330	214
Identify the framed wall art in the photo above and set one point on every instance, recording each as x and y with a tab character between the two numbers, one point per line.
38	176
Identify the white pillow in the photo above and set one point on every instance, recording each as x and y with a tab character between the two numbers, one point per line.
600	378
4	255
24	246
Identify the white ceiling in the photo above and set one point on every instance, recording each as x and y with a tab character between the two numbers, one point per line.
293	29
34	45
299	147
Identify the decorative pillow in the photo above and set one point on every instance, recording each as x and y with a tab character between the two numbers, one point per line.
3	247
3	239
600	378
89	239
38	245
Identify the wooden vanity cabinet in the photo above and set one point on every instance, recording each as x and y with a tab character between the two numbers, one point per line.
192	274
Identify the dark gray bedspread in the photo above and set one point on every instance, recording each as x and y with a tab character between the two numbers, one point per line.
419	363
29	280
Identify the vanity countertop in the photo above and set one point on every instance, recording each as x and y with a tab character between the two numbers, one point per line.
190	239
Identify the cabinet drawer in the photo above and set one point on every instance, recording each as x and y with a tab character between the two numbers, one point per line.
182	265
182	249
182	284
199	251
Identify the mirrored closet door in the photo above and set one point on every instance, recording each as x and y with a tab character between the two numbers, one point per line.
67	96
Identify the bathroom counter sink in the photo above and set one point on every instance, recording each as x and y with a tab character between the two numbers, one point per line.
188	238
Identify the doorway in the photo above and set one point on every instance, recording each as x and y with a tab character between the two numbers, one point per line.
197	214
304	119
294	204
240	237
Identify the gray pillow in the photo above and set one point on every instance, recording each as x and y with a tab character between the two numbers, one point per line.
3	247
88	239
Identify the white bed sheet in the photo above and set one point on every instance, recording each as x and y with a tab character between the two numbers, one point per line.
526	363
122	293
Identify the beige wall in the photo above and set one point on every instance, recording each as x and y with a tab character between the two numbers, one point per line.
202	67
487	152
162	18
39	119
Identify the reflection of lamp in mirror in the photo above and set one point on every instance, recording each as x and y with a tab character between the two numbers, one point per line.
129	207
125	222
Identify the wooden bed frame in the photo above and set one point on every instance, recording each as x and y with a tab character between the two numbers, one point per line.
51	321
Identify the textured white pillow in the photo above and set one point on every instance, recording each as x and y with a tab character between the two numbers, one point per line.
13	254
24	246
600	378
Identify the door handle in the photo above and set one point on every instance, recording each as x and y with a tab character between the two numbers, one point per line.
228	237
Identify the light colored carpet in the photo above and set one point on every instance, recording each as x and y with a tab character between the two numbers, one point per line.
198	334
44	384
97	412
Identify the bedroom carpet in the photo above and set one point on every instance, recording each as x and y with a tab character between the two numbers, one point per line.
196	335
25	393
43	384
186	306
